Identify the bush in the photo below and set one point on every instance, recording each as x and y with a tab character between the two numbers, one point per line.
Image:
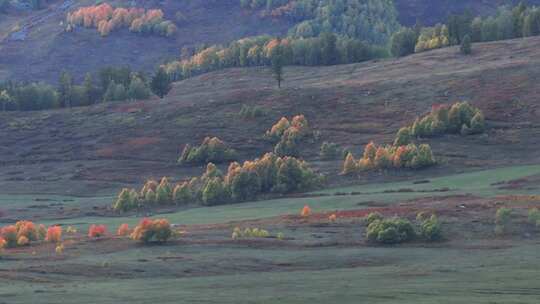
152	231
330	151
390	231
211	150
54	234
247	112
249	233
123	230
466	45
430	229
97	231
502	220
534	217
372	217
306	211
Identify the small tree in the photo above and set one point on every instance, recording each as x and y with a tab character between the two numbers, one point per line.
466	45
277	59
161	83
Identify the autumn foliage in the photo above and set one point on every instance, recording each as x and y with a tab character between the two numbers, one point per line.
268	174
123	230
97	231
306	211
212	150
54	234
106	19
289	134
150	231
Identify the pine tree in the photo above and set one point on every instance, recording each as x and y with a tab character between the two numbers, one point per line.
65	89
161	83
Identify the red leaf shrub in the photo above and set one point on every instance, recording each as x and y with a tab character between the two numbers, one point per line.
97	231
54	234
123	230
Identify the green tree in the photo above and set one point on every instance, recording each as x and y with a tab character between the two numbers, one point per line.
161	83
65	90
277	59
138	89
403	42
466	47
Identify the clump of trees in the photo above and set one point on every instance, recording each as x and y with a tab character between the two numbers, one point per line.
288	135
460	117
432	38
326	49
268	174
106	19
109	84
97	231
21	234
212	150
152	231
367	20
376	157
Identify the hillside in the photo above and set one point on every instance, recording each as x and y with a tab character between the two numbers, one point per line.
40	49
101	148
47	49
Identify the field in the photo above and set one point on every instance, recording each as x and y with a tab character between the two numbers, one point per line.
66	166
317	261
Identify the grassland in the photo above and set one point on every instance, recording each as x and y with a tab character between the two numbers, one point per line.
65	166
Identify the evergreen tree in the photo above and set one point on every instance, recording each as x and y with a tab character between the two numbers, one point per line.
161	83
465	47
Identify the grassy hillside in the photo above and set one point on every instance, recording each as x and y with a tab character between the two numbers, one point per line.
47	48
100	148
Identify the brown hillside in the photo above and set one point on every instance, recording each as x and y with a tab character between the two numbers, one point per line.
109	145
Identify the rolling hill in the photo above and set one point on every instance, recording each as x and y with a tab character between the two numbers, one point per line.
103	147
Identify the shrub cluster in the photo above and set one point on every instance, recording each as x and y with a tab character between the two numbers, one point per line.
211	150
247	112
398	230
331	150
503	217
387	157
289	134
390	231
152	231
238	233
21	234
107	19
97	231
461	117
269	174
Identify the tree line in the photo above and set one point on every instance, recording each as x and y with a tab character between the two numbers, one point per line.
326	49
109	84
462	29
